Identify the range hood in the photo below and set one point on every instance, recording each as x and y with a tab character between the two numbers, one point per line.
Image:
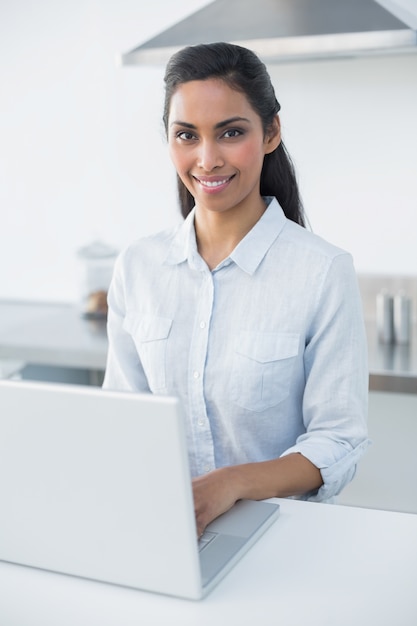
287	30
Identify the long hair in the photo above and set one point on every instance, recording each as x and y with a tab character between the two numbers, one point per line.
242	70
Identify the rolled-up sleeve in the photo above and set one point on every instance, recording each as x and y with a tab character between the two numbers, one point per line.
335	401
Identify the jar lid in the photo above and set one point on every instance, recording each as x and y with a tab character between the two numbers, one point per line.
97	250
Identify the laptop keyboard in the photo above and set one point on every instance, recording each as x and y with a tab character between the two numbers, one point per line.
205	539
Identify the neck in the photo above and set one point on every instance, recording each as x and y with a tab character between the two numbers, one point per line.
218	234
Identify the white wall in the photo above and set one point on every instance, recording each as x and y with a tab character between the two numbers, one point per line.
82	153
352	128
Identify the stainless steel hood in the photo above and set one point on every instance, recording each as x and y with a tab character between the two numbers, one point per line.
286	30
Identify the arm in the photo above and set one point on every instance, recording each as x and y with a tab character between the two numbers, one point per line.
123	369
323	459
216	492
335	401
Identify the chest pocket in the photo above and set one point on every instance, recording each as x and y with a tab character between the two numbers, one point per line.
263	366
150	334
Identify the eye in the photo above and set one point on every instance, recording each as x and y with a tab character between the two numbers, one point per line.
232	133
184	135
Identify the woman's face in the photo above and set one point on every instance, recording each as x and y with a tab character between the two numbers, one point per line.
217	144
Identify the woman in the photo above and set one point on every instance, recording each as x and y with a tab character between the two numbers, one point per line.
252	320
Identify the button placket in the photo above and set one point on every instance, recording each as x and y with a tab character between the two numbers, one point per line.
200	422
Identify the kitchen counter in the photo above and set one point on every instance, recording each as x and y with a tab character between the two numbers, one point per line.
53	335
392	367
56	335
318	564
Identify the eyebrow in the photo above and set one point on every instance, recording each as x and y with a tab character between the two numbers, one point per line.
230	120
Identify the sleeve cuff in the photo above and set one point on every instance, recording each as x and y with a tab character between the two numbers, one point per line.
335	476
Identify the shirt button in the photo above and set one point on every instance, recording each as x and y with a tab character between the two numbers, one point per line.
200	422
202	324
207	468
196	374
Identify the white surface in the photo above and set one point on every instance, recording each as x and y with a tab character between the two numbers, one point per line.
323	565
387	474
82	153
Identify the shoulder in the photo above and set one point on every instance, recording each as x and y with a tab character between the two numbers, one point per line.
311	259
298	241
322	267
310	243
149	249
315	258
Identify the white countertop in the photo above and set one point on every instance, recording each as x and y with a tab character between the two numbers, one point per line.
51	334
318	564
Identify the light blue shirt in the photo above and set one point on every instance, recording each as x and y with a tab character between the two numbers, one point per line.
267	351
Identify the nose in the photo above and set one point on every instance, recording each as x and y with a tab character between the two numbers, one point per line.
209	155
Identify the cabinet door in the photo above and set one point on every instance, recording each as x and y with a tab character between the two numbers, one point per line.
387	475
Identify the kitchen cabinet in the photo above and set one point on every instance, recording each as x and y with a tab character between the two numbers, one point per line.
387	474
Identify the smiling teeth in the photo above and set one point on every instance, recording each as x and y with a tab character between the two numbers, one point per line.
214	183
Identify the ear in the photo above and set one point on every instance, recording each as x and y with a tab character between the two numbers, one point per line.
273	136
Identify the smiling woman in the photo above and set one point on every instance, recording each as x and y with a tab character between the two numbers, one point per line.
218	155
238	70
251	320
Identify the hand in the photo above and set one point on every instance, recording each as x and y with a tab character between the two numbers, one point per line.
214	493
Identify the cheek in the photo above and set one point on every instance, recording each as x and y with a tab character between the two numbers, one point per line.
251	156
180	161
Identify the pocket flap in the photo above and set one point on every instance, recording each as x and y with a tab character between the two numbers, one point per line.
268	346
148	327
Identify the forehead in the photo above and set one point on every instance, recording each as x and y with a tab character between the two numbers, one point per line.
208	100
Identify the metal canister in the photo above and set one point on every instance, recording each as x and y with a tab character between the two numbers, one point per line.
402	318
385	317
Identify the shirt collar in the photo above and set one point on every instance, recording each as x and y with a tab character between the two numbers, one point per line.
184	245
249	252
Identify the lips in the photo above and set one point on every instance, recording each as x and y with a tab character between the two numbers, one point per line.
213	183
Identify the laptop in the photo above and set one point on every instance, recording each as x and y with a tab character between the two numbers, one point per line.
96	483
